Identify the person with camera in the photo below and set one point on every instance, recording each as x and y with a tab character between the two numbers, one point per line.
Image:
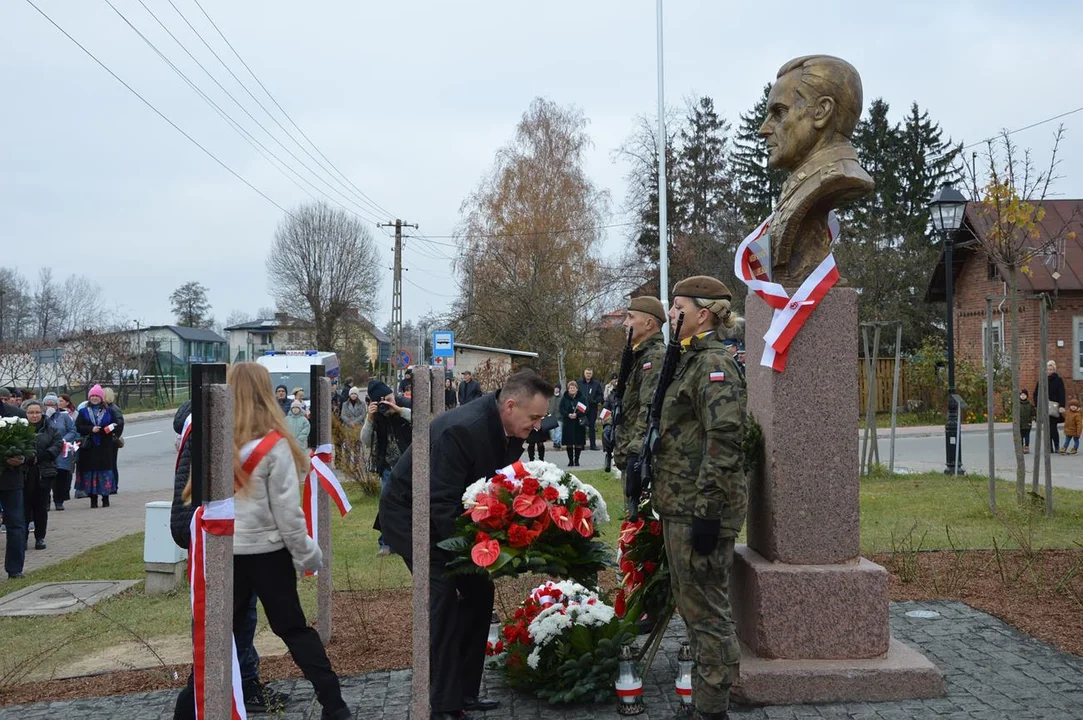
386	434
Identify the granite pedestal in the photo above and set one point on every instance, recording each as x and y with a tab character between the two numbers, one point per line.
812	615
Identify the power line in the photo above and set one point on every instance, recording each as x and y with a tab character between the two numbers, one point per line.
1026	127
428	291
257	101
283	111
158	112
528	234
225	115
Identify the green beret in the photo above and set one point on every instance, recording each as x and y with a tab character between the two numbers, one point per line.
650	305
702	286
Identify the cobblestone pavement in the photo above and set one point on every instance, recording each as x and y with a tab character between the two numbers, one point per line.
993	672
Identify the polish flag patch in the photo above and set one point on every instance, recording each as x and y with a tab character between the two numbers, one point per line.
718	376
648	365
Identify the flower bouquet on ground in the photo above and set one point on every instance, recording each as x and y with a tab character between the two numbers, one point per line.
563	643
17	438
644	586
531	518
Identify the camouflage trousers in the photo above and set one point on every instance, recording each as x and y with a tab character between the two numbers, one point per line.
701	590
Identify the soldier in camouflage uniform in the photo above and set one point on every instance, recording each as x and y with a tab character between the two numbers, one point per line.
700	489
645	317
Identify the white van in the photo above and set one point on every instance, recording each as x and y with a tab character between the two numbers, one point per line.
291	368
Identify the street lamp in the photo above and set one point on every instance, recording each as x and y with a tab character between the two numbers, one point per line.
946	209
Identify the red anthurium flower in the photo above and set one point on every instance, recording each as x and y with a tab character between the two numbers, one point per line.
619	604
649	567
560	517
485	554
529	506
580	497
480	511
627	566
551	494
582	521
656	527
628	530
531	486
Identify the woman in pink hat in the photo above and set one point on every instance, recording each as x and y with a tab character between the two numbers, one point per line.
100	427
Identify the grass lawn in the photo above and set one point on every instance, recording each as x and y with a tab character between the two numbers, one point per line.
891	506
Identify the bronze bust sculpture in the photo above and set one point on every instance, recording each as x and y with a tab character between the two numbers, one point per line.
812	111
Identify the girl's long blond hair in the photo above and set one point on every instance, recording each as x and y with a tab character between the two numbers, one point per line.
256	412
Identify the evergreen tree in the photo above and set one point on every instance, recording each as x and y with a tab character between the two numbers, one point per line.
758	185
703	180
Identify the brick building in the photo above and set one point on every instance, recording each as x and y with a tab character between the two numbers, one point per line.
975	278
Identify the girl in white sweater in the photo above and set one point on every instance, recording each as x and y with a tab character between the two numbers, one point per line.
270	541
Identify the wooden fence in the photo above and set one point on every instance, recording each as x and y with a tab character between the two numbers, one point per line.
885	377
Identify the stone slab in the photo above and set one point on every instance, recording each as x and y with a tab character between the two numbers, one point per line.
901	674
824	612
60	597
803	504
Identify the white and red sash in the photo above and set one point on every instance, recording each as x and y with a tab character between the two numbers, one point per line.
790	312
320	474
215	518
252	453
186	431
512	473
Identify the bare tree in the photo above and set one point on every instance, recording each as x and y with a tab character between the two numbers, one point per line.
1011	212
530	275
238	317
47	305
323	264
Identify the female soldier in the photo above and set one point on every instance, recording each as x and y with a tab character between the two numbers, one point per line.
700	489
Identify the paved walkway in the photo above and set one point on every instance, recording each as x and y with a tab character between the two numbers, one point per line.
993	672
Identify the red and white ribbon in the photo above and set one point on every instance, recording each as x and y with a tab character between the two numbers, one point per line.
215	518
321	475
513	473
790	312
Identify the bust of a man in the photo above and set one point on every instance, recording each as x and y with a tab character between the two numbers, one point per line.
812	111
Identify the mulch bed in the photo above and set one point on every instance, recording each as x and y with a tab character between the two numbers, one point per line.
372	629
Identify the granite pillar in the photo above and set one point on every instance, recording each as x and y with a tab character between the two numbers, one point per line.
812	615
218	466
421	418
321	425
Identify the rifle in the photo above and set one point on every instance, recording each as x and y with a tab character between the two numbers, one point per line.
642	475
626	358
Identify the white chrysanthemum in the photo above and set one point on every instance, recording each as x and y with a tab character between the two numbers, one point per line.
534	658
470	497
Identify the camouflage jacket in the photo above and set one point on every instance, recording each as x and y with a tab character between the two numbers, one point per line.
636	404
699	465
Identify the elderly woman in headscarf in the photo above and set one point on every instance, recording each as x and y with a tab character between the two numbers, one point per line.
99	425
65	426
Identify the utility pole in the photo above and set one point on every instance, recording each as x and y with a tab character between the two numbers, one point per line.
396	291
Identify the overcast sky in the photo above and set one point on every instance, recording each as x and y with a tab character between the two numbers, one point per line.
411	100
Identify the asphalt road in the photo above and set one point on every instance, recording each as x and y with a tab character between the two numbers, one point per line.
928	452
147	458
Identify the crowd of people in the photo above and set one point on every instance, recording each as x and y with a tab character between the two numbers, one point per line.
72	442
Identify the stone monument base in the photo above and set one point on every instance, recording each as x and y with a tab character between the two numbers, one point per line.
810	612
901	674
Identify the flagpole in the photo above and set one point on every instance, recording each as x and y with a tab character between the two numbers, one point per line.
663	245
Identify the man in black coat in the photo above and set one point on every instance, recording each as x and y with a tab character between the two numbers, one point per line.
12	478
258	698
466	444
592	392
469	389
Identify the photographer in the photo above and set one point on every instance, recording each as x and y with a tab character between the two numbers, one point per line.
386	434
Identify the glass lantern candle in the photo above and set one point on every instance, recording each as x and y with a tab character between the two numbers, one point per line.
684	675
629	685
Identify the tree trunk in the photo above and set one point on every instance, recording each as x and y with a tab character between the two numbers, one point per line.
1017	437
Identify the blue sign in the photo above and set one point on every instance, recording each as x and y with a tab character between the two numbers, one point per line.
443	344
403	360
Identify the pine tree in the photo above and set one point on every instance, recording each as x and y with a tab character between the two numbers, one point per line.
703	180
758	185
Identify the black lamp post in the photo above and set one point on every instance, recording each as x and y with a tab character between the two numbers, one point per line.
946	209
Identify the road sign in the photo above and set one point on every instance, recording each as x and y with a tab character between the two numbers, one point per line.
443	344
403	359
